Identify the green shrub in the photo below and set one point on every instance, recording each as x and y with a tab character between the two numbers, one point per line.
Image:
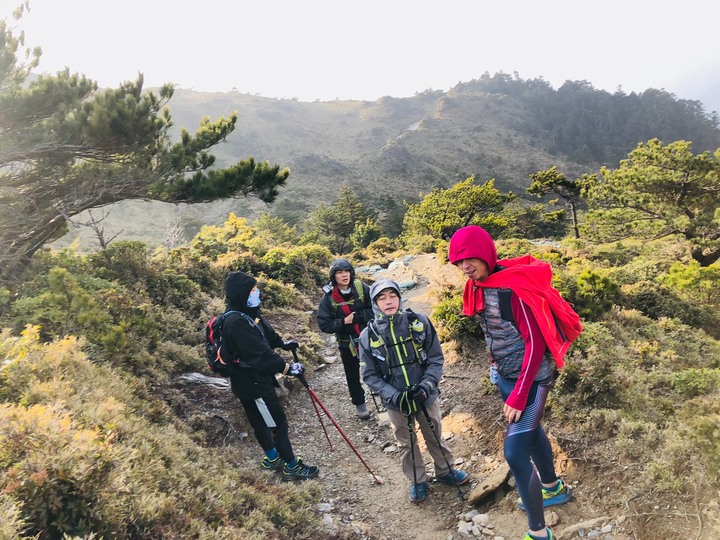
589	382
168	288
422	244
276	293
442	251
382	245
656	301
596	294
451	324
125	261
691	383
305	266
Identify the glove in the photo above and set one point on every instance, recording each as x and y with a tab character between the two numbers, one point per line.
291	345
420	392
296	370
404	402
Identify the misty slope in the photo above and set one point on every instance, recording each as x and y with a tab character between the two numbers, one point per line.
394	146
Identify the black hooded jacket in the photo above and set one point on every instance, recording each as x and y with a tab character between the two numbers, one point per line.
331	321
253	345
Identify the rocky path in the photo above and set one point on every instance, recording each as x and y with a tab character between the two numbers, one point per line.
473	425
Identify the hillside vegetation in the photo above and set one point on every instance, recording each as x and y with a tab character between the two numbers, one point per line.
93	343
95	440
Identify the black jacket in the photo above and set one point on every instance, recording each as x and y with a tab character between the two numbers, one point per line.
330	320
252	344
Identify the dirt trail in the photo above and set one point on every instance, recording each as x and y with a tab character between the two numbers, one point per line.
472	424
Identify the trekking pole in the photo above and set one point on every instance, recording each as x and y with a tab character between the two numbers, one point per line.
442	451
315	399
411	430
320	418
372	395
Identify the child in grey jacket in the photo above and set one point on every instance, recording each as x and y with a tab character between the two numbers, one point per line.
401	361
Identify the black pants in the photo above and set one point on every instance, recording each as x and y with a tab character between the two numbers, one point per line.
269	422
351	364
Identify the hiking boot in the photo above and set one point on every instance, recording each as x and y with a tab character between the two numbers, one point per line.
272	464
418	492
300	471
454	477
560	494
549	533
362	412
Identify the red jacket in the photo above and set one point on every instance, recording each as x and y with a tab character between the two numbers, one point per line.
531	281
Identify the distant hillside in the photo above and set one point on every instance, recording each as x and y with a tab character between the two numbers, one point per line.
394	149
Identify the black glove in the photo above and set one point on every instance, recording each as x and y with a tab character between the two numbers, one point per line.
291	345
420	392
404	402
296	370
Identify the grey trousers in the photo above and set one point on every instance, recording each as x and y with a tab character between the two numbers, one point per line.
402	434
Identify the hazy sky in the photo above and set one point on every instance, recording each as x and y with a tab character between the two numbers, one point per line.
327	49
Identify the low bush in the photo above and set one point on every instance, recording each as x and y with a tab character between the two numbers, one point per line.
86	450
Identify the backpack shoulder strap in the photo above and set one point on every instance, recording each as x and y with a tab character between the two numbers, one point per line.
505	297
245	316
360	290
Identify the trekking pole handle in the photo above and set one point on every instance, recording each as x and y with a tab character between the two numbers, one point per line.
301	378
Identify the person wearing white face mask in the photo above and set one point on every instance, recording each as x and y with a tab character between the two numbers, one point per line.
345	310
251	340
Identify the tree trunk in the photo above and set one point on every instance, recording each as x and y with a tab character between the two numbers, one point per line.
705	259
573	213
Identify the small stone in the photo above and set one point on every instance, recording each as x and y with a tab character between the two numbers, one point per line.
481	520
552	519
470	515
323	507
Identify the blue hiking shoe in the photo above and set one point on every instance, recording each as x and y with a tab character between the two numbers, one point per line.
454	477
272	464
560	494
300	471
418	492
548	532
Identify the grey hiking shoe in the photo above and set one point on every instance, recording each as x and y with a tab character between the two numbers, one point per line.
362	412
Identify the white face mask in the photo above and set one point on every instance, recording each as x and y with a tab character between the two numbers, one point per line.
254	298
345	291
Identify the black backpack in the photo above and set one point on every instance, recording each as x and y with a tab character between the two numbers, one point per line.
219	359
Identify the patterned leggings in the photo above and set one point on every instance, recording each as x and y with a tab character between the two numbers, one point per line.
526	444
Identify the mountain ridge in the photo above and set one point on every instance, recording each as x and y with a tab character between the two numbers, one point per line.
396	149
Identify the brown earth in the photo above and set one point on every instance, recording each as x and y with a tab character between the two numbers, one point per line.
472	424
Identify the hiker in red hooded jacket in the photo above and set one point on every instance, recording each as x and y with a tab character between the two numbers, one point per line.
528	327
